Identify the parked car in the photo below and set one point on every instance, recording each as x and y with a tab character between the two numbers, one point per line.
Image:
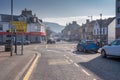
50	41
18	42
87	45
113	49
25	42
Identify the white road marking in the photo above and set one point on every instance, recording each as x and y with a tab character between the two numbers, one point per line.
58	62
85	72
36	47
53	51
46	46
65	55
76	64
94	79
71	61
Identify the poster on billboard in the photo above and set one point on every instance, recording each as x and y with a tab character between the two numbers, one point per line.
20	26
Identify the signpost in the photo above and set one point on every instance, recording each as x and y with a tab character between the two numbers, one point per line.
19	27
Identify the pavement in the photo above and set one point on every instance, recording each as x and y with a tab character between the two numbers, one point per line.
14	67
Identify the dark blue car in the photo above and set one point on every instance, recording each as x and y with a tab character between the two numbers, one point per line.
87	45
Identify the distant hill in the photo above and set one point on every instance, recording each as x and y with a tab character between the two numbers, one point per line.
54	27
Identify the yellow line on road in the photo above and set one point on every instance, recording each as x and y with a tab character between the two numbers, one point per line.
27	76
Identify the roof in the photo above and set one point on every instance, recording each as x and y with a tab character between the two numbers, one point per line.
105	22
8	18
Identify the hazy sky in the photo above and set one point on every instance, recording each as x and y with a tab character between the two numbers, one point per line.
61	8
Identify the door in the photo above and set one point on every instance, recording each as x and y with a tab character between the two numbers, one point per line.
115	48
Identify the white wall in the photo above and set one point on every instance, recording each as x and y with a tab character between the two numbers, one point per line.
111	31
5	26
35	27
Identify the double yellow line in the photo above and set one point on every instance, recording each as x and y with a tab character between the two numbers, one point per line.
30	70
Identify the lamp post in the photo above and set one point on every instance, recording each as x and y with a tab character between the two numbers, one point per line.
101	30
13	30
11	45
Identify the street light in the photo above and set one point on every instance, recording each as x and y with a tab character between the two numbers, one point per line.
100	30
11	26
13	30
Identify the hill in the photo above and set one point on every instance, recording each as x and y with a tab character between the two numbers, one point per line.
54	27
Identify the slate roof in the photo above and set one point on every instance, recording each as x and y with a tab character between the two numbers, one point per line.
8	18
105	22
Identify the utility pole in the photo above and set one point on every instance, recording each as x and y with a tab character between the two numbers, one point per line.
101	30
11	45
13	31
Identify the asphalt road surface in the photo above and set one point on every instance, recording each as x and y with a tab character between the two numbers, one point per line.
60	61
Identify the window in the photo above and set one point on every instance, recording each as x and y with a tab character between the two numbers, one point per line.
97	31
118	0
0	17
116	42
94	32
118	9
103	31
118	21
1	27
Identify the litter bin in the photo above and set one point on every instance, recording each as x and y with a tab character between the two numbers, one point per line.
7	47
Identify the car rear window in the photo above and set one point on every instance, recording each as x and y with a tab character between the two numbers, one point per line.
89	42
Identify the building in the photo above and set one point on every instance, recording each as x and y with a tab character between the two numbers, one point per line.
69	32
117	18
35	28
112	31
87	30
101	30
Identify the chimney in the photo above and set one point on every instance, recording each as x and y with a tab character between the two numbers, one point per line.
74	22
87	20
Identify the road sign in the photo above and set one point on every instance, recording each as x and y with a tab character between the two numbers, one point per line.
20	26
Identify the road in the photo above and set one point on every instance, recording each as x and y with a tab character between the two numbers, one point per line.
60	61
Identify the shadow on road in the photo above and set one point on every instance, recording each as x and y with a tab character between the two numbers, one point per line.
106	69
84	53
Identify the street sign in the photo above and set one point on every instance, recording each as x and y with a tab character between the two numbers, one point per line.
20	26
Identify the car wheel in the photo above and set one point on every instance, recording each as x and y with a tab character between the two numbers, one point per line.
77	49
80	49
103	53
